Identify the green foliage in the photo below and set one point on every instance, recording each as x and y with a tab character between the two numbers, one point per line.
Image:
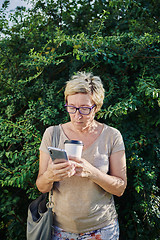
44	46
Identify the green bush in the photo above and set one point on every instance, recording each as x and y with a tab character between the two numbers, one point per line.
117	40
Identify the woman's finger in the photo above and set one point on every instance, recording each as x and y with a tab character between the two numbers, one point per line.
62	170
78	160
60	165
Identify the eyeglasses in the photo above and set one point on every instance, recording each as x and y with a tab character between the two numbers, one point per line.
82	110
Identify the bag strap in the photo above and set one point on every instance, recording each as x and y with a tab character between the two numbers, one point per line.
55	142
56	136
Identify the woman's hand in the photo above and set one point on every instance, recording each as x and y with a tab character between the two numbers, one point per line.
59	170
82	167
115	182
50	172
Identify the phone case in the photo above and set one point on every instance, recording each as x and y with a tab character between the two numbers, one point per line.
57	153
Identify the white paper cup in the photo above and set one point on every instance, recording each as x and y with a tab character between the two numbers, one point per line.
73	148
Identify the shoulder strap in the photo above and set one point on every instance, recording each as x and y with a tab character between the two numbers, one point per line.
56	136
55	142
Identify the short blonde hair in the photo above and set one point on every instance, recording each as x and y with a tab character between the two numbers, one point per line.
85	83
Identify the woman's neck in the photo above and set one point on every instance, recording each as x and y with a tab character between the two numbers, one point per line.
91	128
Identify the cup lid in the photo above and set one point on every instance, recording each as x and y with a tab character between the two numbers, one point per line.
74	142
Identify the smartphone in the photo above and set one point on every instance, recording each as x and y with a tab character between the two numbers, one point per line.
57	153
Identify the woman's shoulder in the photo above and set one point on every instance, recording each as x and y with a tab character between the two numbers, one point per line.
111	129
49	130
66	126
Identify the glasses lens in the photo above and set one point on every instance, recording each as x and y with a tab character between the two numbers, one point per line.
84	110
70	109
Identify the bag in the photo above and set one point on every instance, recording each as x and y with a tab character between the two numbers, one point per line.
40	219
40	215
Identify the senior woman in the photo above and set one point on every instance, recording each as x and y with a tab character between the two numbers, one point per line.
84	204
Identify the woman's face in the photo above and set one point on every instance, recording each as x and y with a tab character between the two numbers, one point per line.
78	120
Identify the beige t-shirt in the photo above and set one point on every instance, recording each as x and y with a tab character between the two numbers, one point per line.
80	204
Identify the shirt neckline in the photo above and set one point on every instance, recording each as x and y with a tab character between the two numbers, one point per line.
90	146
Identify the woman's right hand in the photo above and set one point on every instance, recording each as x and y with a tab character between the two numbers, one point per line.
50	171
59	170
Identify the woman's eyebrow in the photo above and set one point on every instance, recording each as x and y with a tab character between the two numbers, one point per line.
85	104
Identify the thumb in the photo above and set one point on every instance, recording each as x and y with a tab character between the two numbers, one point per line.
50	161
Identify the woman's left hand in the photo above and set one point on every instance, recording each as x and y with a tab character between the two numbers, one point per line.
82	167
113	182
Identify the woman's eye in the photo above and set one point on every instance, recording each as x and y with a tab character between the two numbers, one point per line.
84	109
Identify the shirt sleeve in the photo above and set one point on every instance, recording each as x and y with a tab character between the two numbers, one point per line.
46	140
118	143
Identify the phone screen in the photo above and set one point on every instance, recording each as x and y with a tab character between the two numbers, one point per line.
57	153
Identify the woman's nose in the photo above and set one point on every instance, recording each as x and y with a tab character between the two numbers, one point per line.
77	114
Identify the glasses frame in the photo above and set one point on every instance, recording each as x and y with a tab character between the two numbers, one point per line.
79	109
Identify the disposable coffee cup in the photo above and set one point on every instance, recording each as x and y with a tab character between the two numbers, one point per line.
73	148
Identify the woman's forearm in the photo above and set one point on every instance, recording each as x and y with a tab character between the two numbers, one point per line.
111	184
43	183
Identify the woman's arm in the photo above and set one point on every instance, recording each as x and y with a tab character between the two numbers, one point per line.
115	182
50	171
